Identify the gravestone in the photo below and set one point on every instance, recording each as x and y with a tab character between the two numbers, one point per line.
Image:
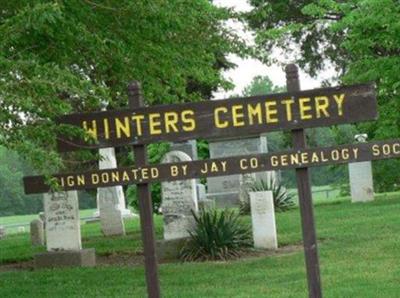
111	200
2	232
361	179
226	190
263	220
63	234
178	199
62	221
37	232
189	147
111	219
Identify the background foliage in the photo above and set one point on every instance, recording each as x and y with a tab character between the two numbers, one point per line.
359	38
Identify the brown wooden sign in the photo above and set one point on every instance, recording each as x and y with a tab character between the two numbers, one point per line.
220	166
224	118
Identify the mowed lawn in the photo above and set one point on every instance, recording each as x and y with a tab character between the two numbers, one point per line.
359	247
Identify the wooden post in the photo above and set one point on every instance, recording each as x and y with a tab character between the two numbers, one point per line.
145	205
305	199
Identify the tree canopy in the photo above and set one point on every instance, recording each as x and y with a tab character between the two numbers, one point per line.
58	57
360	38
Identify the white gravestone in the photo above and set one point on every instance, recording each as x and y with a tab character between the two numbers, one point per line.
361	180
263	220
178	199
62	221
111	200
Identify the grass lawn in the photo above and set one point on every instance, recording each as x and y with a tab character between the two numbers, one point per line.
359	247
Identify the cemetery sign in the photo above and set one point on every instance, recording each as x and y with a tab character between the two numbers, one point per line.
293	110
223	118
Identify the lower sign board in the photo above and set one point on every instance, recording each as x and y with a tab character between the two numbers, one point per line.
219	167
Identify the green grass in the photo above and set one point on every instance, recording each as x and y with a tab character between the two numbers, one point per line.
359	247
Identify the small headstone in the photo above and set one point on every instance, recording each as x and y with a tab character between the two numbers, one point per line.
111	219
62	221
37	232
21	229
111	200
226	190
361	180
263	220
2	232
178	199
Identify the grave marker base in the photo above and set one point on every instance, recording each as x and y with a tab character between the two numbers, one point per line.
66	258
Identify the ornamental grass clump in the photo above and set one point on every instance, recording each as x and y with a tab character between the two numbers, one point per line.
218	235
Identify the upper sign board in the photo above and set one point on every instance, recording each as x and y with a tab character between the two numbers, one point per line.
224	118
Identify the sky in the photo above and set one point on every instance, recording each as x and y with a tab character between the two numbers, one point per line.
246	69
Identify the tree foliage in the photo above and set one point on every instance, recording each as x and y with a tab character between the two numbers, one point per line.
360	38
58	57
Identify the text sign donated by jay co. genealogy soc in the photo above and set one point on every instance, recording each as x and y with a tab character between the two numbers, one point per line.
220	166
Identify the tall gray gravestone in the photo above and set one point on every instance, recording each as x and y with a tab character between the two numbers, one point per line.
63	233
111	200
37	232
263	220
361	179
226	190
178	199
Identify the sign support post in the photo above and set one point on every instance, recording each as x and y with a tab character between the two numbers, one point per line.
305	199
145	205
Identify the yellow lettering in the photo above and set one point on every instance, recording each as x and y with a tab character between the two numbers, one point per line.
321	106
288	103
304	108
171	119
271	112
123	127
138	122
217	120
253	112
237	115
189	122
174	171
243	164
154	123
339	101
92	131
375	150
274	161
95	179
106	129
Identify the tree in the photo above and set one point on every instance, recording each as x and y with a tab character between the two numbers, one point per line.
58	57
360	38
261	85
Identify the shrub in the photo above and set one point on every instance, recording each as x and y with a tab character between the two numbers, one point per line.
218	235
283	200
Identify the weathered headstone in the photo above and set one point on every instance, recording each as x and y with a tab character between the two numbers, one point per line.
189	147
361	179
111	219
225	190
62	221
111	200
2	232
178	199
37	232
263	220
63	234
